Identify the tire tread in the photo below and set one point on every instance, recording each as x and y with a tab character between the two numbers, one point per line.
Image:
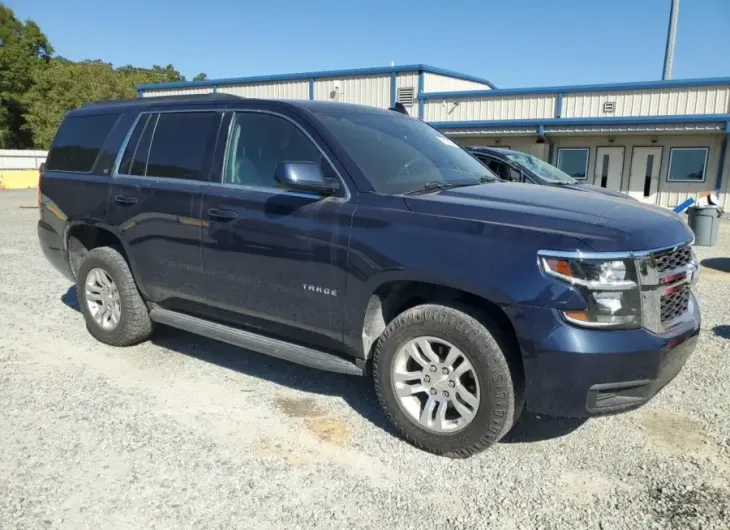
474	330
135	324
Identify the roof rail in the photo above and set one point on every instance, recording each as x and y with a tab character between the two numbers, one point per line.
160	99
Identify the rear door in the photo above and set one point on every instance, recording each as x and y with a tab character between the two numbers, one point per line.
156	197
276	258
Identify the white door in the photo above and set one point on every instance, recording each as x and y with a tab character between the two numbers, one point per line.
644	173
609	168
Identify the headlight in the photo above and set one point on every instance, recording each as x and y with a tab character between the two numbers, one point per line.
609	286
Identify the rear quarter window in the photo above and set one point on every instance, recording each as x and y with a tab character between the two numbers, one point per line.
78	142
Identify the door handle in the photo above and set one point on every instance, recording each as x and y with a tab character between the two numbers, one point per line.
125	200
222	215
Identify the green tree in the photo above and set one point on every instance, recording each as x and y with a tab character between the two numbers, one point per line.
202	76
24	50
156	74
64	85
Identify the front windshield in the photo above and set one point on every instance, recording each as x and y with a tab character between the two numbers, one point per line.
398	154
541	169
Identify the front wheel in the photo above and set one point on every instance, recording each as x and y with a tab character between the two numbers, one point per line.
444	380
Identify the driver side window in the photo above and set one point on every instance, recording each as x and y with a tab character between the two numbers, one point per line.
259	142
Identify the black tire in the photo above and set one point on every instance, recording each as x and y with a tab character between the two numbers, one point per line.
134	323
500	401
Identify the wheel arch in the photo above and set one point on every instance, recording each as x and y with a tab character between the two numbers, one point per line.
81	237
393	297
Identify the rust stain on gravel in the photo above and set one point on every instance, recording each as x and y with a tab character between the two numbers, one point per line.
271	448
676	432
298	408
328	430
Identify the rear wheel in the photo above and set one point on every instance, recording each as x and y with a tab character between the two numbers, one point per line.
114	310
444	381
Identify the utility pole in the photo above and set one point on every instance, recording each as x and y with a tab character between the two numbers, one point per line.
671	39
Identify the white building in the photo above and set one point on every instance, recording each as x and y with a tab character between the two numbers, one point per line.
660	141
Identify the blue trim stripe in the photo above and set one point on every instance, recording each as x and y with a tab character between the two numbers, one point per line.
311	88
457	75
497	92
688	118
420	93
559	105
393	82
723	154
318	75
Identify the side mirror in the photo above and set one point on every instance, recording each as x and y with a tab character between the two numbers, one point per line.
306	176
42	167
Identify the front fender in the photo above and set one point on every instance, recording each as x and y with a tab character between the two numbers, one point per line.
496	263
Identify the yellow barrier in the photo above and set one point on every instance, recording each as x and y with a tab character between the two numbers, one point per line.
18	180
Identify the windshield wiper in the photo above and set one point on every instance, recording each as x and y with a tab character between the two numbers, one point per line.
438	185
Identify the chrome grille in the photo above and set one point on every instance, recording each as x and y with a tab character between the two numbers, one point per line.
674	304
670	271
673	259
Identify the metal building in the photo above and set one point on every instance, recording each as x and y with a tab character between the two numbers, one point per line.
662	141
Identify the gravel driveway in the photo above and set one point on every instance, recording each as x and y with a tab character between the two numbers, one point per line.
184	432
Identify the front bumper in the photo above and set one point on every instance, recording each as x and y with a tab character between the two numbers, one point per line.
572	371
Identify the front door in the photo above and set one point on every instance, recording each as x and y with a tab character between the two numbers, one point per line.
155	201
609	168
275	258
644	175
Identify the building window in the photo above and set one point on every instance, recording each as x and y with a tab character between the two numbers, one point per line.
574	162
687	164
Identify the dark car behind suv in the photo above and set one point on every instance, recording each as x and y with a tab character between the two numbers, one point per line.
362	241
516	166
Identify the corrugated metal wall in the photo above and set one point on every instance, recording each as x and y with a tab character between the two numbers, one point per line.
177	92
491	108
274	90
371	90
687	100
442	83
526	144
21	159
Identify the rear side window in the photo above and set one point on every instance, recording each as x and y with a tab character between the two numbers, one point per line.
171	145
142	152
182	144
78	142
129	152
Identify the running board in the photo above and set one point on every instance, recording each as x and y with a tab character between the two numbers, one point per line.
258	343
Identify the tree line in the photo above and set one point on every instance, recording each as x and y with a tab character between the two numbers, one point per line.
37	87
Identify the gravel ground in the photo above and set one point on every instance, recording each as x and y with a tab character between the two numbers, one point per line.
183	432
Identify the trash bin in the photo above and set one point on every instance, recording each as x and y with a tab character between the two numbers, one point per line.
705	223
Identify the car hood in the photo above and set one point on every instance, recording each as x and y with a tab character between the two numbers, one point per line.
603	222
579	186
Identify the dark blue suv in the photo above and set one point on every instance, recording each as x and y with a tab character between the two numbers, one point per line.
362	241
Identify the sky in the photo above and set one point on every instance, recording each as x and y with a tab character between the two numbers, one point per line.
513	43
